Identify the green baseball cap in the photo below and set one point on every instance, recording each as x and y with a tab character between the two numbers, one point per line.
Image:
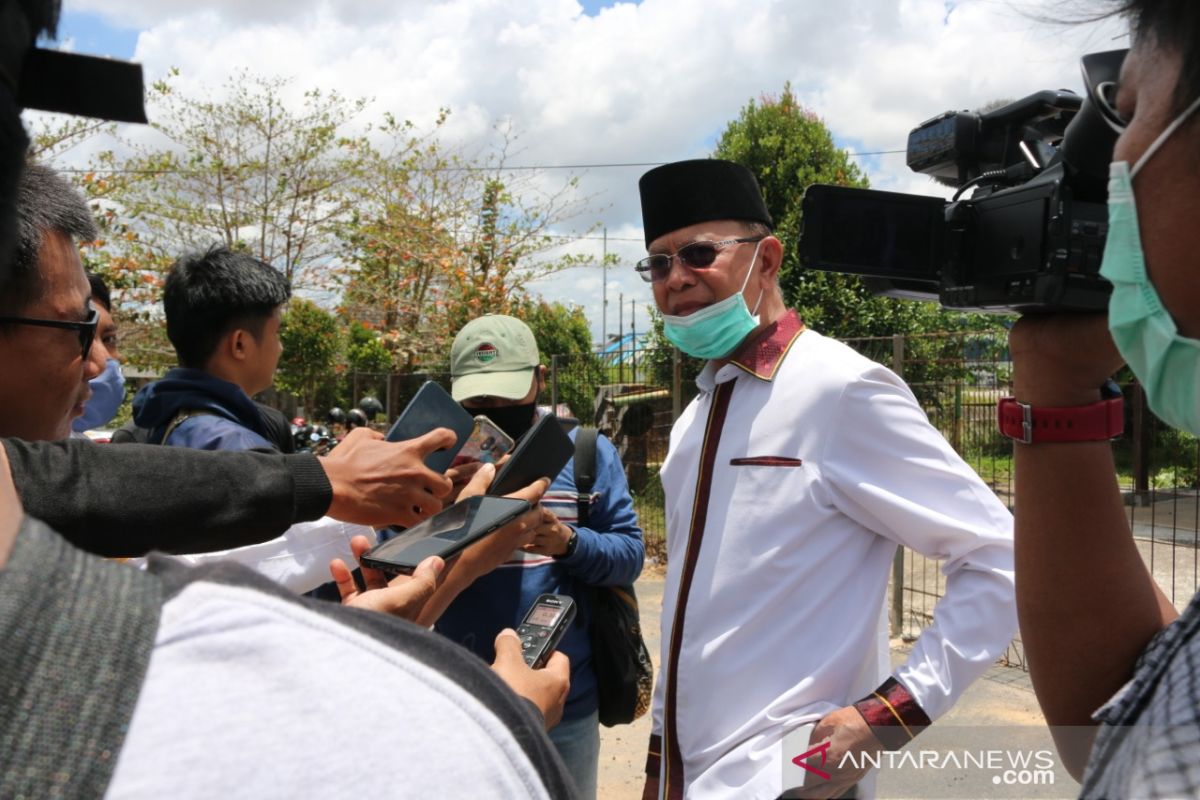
495	356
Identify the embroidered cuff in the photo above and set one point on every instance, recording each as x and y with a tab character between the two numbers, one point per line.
893	714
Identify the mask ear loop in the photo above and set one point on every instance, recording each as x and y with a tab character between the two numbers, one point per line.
1162	137
745	283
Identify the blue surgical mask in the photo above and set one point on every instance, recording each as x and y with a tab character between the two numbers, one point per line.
715	331
1165	363
108	392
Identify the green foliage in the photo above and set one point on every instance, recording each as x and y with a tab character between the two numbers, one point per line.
364	350
312	342
562	331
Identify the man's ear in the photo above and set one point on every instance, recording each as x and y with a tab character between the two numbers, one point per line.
541	378
772	257
236	344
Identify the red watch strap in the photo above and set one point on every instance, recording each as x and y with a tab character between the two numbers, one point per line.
1091	423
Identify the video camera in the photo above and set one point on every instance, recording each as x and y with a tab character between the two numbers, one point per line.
1031	235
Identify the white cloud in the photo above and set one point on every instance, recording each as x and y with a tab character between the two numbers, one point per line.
635	83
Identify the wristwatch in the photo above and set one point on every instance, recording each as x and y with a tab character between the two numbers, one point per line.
1094	422
572	543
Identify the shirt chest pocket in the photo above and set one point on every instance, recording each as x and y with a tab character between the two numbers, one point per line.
766	487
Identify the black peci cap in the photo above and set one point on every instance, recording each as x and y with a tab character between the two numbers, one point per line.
677	195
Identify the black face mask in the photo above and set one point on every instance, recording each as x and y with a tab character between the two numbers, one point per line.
513	420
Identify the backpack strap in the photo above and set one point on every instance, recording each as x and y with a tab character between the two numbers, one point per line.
180	418
585	471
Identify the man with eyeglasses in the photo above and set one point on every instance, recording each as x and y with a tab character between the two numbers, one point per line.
47	320
790	481
153	682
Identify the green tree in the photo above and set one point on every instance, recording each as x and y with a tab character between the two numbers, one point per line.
312	345
564	339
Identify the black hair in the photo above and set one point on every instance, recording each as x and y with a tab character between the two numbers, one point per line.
46	203
100	291
208	295
1173	25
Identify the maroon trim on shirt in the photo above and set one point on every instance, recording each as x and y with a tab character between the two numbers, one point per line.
708	462
653	764
762	356
766	461
893	714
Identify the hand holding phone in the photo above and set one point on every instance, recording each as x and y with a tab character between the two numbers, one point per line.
432	407
445	534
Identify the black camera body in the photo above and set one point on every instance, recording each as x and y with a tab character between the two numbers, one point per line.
1031	235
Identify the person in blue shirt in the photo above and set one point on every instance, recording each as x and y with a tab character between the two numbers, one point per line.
496	372
223	316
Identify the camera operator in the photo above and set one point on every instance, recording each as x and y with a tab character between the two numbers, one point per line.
1097	630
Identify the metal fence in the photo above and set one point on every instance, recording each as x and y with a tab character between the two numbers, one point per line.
957	378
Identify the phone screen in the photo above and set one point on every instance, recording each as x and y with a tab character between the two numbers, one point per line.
544	615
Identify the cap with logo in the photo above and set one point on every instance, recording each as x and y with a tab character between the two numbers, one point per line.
495	356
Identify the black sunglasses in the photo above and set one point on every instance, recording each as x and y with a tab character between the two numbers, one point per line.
696	255
85	330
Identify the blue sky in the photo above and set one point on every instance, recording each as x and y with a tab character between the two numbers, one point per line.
94	35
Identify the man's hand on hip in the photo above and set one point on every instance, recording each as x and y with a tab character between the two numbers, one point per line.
847	732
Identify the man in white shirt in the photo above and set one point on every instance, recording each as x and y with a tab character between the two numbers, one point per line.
790	481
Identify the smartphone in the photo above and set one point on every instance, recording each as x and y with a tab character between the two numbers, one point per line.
544	626
444	534
433	407
541	453
487	443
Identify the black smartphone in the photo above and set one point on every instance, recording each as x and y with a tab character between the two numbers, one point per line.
433	407
541	453
544	626
444	534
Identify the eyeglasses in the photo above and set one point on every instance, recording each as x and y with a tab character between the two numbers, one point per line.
697	255
85	330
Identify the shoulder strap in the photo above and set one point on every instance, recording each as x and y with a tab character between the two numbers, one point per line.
585	470
180	418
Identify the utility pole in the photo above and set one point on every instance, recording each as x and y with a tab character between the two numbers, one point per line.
633	337
621	337
604	305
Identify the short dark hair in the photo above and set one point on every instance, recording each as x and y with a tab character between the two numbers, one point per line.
1173	25
100	291
46	203
209	294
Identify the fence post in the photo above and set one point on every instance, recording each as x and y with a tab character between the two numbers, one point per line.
898	561
1140	442
554	384
676	388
